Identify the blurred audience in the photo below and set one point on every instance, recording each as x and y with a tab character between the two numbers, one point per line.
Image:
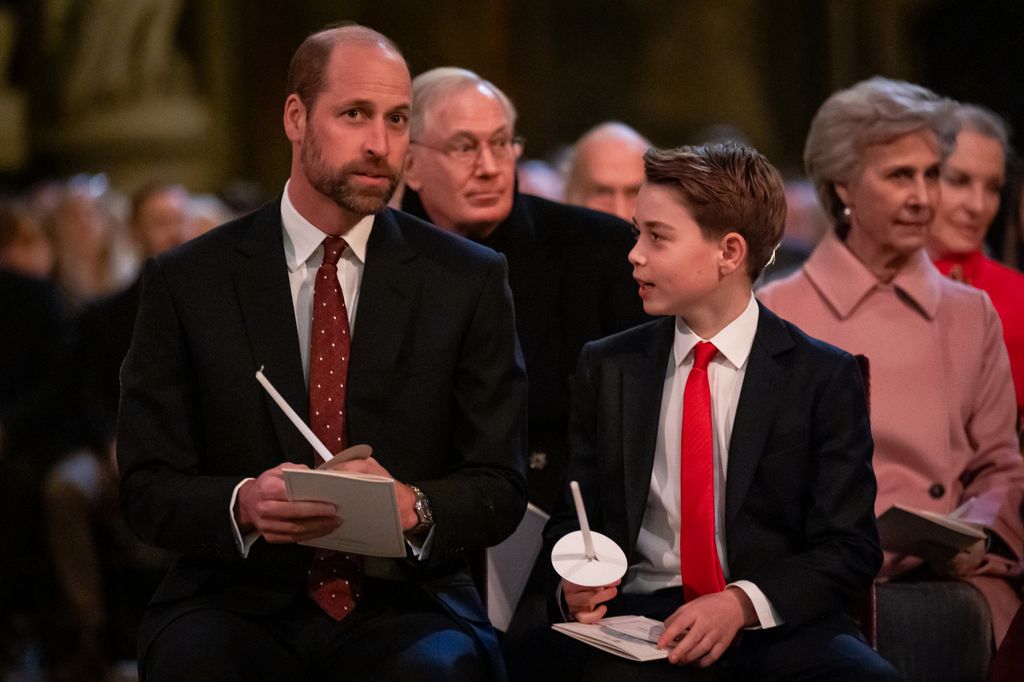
972	182
91	258
606	169
539	178
943	412
24	246
73	580
105	575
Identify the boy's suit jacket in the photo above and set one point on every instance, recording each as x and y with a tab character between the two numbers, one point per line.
437	388
799	486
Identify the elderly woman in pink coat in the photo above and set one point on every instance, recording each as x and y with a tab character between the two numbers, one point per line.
942	404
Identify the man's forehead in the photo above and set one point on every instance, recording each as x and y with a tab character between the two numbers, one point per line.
474	109
369	65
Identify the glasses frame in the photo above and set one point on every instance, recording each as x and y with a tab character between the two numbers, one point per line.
515	147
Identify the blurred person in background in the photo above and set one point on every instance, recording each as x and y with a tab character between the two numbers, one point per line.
972	182
539	178
105	576
875	152
24	246
606	169
90	258
35	333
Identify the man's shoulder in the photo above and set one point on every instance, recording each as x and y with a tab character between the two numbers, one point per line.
441	246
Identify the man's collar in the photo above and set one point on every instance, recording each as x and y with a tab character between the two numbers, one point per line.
844	281
302	238
733	341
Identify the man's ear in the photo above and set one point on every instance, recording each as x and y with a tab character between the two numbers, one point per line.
412	171
294	118
734	253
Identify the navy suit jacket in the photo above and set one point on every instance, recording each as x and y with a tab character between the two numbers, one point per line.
436	386
800	490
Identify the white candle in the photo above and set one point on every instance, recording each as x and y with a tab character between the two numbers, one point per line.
581	514
295	419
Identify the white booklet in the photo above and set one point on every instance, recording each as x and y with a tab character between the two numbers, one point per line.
367	505
904	530
632	637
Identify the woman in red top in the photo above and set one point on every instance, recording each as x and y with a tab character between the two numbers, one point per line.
972	180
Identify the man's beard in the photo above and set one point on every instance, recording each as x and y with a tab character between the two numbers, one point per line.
336	183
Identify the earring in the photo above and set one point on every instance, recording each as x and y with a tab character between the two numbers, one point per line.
847	212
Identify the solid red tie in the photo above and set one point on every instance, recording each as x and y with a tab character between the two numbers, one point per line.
334	577
700	567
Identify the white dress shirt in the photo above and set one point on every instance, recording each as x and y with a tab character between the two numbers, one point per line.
658	542
303	253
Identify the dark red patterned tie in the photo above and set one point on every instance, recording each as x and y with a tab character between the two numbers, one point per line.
700	567
334	577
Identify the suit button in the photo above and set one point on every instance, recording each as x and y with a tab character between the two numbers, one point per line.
937	490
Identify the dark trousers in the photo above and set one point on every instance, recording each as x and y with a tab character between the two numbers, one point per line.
830	648
395	633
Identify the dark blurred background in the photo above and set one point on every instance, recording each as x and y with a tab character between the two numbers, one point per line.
194	88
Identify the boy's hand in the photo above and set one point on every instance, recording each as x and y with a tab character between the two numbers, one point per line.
707	626
586	604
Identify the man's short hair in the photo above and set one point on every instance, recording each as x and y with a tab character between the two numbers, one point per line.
308	67
727	187
439	84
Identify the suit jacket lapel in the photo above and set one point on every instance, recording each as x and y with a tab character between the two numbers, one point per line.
388	295
756	410
261	281
642	383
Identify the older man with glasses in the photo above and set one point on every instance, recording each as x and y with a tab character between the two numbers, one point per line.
567	265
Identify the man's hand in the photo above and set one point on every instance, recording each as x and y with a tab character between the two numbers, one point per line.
955	565
586	604
263	505
707	626
406	497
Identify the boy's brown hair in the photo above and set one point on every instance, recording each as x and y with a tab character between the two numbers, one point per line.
726	187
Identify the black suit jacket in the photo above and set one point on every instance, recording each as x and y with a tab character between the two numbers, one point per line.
571	284
436	387
800	490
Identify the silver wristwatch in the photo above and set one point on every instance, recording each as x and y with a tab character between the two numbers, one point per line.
423	512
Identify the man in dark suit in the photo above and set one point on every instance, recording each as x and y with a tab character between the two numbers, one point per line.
726	452
567	265
434	383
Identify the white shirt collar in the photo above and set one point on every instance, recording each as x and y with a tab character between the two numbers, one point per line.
302	238
733	342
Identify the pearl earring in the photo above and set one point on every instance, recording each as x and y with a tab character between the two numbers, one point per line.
847	212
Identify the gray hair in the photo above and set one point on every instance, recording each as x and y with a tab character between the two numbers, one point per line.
874	111
431	87
985	122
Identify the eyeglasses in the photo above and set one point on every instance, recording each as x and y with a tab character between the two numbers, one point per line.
466	150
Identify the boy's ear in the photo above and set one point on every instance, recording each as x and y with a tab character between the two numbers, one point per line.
734	253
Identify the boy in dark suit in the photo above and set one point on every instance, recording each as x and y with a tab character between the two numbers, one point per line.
726	452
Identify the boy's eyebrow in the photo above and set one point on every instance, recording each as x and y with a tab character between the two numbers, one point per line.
654	223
